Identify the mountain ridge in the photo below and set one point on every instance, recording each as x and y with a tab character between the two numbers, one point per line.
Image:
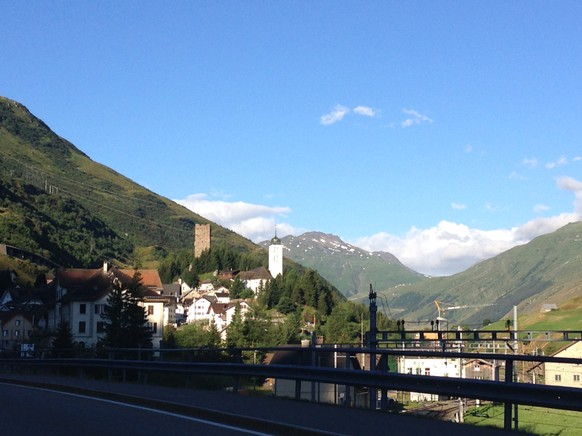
546	270
33	155
351	269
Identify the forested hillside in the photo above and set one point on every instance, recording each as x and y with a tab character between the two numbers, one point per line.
59	189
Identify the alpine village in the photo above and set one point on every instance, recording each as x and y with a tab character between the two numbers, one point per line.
94	265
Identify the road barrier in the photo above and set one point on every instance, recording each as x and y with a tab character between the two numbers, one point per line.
230	364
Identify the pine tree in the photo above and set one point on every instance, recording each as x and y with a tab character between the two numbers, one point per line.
125	319
63	344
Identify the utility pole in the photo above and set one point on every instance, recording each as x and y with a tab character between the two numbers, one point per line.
372	342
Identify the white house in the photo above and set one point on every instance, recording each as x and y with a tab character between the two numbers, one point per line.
222	295
440	367
80	297
200	308
205	286
232	307
255	279
223	314
565	374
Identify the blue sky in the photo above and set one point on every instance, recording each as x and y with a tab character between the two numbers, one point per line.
443	132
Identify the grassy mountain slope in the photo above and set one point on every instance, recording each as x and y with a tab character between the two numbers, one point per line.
46	180
349	268
546	270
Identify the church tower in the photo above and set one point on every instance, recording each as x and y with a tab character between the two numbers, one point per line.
276	257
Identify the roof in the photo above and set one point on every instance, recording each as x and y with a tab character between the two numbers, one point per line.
260	273
7	316
92	284
150	278
172	289
218	308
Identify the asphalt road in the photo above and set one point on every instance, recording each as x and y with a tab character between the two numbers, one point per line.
50	405
29	410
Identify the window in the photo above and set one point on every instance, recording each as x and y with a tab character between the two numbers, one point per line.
576	377
426	371
99	308
150	310
17	322
557	377
16	333
153	326
418	371
82	308
82	326
5	333
100	326
409	370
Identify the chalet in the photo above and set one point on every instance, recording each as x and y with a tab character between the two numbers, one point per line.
228	275
429	366
222	295
548	307
200	308
241	305
255	279
205	286
565	374
227	314
478	369
17	328
79	296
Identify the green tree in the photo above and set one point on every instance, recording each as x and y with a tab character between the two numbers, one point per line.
63	344
235	333
344	324
197	335
236	289
125	319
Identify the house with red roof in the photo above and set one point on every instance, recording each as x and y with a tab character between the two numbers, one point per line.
79	296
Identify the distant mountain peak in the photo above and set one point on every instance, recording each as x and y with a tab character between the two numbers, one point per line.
351	269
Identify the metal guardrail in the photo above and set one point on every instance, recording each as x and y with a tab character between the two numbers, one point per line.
508	391
467	336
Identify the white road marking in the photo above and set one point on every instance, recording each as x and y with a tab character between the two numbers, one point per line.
149	409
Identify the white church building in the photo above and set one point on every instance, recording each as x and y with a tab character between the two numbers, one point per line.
276	257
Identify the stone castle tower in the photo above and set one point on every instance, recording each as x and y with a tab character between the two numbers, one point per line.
201	239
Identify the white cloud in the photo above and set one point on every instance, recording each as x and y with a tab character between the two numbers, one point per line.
575	186
414	118
530	162
560	162
254	221
336	114
490	207
449	247
365	111
441	250
444	249
514	175
458	206
541	208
